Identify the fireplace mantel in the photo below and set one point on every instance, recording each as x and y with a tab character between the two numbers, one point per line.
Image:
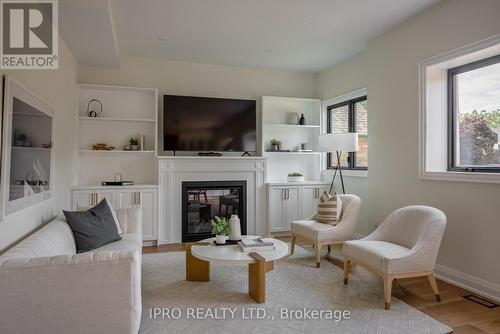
174	170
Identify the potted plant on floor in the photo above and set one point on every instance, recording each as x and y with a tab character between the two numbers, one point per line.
295	177
220	227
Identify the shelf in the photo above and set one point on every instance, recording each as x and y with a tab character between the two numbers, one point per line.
114	151
292	153
84	118
292	126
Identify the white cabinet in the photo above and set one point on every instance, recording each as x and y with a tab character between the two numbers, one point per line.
130	197
291	202
309	199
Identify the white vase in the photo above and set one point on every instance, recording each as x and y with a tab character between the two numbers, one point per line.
220	239
234	228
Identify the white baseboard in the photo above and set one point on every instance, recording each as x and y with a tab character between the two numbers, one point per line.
474	284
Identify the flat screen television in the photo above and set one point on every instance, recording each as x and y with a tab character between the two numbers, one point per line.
204	124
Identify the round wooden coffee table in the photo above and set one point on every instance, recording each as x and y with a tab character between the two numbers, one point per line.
200	254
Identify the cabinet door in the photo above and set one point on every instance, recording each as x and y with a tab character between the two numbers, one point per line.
109	195
308	201
148	199
127	199
82	199
276	209
292	206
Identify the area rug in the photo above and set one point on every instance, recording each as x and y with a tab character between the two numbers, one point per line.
299	299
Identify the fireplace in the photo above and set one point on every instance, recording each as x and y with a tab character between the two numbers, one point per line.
203	200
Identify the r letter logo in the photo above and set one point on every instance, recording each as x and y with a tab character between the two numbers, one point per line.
29	34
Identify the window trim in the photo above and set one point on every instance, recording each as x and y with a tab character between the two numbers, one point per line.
351	125
452	117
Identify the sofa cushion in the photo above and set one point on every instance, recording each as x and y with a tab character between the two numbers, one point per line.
329	209
374	254
55	238
93	228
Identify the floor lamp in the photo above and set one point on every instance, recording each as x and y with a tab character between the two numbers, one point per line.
338	142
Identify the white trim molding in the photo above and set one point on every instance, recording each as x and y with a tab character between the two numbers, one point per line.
474	284
433	111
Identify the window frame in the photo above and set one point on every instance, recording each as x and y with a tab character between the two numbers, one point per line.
452	115
351	125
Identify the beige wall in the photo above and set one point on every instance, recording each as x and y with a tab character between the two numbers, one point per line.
343	78
389	70
57	87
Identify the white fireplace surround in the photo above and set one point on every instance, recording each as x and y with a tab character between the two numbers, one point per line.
174	170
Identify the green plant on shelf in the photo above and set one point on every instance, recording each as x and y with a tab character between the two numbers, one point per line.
133	141
220	225
274	142
295	174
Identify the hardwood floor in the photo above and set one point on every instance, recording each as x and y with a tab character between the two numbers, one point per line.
464	316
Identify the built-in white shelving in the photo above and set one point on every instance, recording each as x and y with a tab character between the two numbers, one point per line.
114	151
104	119
128	112
280	121
291	126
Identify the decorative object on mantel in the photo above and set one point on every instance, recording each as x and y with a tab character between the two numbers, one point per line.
280	145
274	144
102	147
338	142
234	228
220	227
143	141
293	118
97	112
295	177
302	120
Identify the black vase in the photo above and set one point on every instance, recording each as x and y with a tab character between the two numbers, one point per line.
302	120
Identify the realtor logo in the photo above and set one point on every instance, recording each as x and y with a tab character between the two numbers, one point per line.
29	34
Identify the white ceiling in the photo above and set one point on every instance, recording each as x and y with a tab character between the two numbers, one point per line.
308	35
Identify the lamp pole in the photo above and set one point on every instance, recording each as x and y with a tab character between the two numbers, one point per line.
339	153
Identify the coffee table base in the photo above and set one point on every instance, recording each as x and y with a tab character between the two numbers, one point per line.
199	270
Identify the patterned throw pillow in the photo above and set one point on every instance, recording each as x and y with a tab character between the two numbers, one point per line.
329	209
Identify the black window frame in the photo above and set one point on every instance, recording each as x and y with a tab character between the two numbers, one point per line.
452	115
351	120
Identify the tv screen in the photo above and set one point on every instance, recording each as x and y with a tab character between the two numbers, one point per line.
208	124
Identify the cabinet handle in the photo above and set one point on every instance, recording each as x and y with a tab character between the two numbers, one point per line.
315	193
138	198
287	193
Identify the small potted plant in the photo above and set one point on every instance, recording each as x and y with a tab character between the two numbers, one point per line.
220	227
295	177
134	144
274	144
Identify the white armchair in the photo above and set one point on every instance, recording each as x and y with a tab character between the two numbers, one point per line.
405	245
320	234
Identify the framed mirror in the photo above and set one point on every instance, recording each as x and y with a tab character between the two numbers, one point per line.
27	144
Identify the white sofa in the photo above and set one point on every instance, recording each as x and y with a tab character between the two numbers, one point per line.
45	287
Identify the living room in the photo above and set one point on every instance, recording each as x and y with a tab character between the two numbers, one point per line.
235	166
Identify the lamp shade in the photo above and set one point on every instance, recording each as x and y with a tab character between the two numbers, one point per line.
331	142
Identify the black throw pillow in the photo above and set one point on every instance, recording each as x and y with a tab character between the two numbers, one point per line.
92	228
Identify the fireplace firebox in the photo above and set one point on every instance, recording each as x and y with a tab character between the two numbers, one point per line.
203	200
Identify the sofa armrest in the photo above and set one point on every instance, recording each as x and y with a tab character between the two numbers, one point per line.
130	220
83	293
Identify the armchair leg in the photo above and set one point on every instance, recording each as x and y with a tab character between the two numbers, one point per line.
317	251
347	267
433	283
387	290
292	244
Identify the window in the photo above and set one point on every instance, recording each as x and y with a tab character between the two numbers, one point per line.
474	116
350	116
